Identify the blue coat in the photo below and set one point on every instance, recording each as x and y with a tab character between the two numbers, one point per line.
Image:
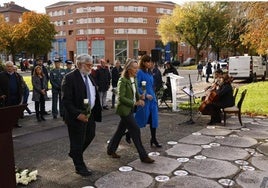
150	107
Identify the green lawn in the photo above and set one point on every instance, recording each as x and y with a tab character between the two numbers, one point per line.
255	102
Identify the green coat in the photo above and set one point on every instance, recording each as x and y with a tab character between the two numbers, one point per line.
125	96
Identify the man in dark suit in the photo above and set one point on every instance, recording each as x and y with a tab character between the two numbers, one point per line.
79	88
10	87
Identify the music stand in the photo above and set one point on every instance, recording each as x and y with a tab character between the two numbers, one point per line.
190	93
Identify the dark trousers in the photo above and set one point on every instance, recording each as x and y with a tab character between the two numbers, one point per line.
40	106
128	122
113	100
215	112
207	77
80	136
56	96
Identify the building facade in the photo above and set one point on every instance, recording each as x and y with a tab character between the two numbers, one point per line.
12	13
106	29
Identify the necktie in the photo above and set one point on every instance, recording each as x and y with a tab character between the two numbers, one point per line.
87	87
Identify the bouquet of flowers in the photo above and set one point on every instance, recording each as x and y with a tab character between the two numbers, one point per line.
87	108
25	176
143	86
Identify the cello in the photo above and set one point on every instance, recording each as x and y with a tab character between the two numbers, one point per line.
211	96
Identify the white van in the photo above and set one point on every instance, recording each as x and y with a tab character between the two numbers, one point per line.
247	67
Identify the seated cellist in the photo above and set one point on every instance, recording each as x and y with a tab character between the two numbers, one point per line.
225	99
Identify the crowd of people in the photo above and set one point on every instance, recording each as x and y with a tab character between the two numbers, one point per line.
79	95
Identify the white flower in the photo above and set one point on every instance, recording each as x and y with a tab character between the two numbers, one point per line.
33	173
143	83
24	177
85	101
165	86
24	172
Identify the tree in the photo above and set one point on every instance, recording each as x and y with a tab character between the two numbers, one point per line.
256	35
37	33
8	43
193	23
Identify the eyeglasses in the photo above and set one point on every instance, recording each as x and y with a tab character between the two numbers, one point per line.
89	64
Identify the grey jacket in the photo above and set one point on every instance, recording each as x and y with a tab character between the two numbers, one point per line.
37	87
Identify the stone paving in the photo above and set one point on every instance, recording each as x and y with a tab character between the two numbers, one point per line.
206	157
215	156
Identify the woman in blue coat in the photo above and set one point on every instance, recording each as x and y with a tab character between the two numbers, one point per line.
148	114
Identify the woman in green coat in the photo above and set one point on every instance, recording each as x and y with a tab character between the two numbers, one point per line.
128	99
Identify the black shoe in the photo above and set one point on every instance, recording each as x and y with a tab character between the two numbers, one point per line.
113	154
154	142
46	113
83	171
42	118
128	140
18	126
112	107
105	108
147	160
54	117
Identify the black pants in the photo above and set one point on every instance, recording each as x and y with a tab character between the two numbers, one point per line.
80	135
215	112
40	106
128	122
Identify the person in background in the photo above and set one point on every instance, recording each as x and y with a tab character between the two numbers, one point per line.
103	78
157	75
25	91
199	71
56	76
78	90
69	66
39	62
116	74
128	98
168	69
208	70
148	114
11	92
39	83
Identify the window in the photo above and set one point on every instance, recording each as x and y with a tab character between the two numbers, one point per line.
136	46
130	9
121	52
81	47
98	48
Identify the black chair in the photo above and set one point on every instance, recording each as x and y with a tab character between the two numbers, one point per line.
236	109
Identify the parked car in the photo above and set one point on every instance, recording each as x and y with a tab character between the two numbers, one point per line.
222	66
189	61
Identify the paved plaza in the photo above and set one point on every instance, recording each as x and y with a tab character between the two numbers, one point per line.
192	156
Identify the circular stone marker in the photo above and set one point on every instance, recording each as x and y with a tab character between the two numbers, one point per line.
172	143
226	182
206	146
214	144
183	159
125	169
248	168
161	178
241	162
196	133
152	154
200	157
180	173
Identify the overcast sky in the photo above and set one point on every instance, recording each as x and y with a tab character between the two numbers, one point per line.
39	5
